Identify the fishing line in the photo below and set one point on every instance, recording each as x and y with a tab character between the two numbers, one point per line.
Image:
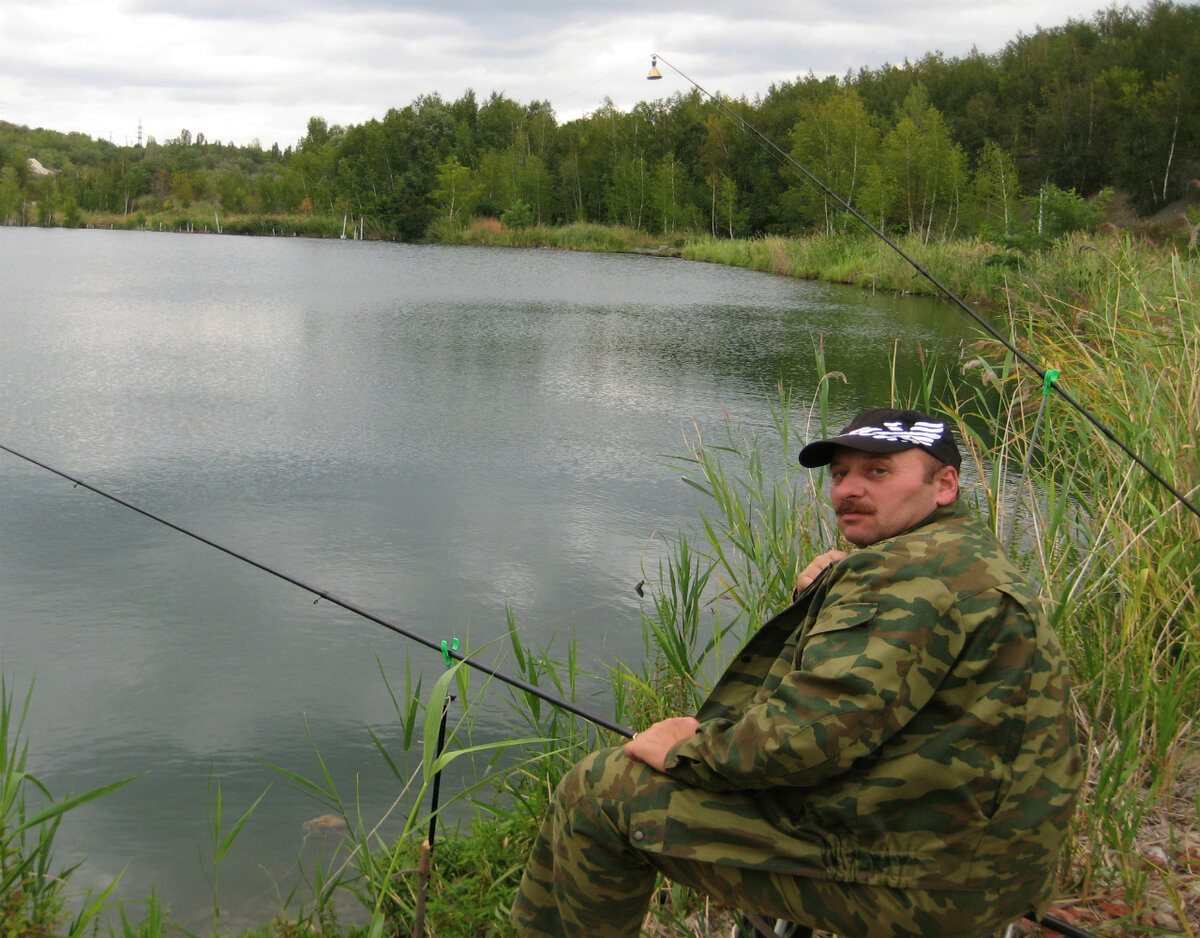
787	159
447	651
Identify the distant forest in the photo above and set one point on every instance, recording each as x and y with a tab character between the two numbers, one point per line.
1035	136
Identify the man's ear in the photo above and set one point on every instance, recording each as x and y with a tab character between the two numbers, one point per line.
946	485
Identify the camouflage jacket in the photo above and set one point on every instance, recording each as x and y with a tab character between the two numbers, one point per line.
904	723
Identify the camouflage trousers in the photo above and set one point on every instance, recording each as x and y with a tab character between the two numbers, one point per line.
584	879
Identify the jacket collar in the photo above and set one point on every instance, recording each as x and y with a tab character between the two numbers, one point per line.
956	513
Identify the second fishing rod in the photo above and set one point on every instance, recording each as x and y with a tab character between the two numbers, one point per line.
449	650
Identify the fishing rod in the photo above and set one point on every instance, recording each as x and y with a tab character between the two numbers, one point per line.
447	650
1048	381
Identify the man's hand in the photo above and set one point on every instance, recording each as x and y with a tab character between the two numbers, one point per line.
813	570
651	745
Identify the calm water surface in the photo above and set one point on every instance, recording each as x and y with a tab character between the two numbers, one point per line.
431	432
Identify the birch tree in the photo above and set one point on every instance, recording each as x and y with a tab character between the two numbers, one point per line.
837	141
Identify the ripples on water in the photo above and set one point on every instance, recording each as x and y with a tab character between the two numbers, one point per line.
430	432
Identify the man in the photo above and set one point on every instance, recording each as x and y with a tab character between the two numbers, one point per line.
889	757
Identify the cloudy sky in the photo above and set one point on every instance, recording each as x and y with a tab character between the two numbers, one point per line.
241	70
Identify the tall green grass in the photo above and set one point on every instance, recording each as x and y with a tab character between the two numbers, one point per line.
1116	553
35	894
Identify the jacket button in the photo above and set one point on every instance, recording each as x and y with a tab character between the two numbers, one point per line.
638	835
745	659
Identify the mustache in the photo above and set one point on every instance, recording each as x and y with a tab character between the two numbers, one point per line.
852	505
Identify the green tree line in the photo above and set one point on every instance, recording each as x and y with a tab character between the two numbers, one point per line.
1020	141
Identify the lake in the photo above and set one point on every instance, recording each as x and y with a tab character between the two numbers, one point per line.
434	433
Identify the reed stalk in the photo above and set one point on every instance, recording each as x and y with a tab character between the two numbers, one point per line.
220	839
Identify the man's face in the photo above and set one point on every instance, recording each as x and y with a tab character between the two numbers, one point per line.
878	495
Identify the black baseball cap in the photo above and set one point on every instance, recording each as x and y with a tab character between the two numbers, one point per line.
887	430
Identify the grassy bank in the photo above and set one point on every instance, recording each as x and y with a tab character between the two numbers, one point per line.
575	237
202	218
205	218
1113	553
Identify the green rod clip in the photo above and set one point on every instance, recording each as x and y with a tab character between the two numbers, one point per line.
1051	376
446	649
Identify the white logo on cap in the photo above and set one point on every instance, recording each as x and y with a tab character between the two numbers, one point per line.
922	433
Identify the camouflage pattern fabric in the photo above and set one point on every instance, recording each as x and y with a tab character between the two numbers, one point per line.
890	756
586	878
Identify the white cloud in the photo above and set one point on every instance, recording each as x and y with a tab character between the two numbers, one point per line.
242	69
